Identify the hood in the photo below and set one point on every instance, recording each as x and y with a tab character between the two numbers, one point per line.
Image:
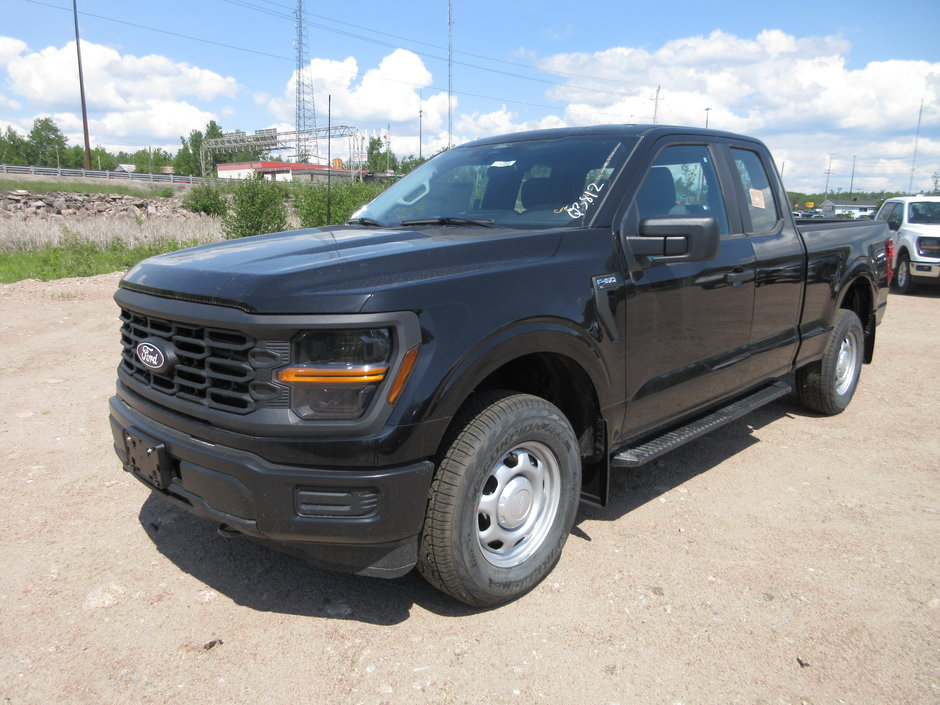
334	270
922	229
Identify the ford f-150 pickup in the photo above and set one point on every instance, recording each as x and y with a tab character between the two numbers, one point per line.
439	381
914	222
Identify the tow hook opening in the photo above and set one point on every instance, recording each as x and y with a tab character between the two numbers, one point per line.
227	532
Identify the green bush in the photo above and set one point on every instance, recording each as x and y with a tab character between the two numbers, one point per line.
205	199
346	197
257	207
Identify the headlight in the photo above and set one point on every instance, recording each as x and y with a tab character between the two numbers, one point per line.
336	373
928	246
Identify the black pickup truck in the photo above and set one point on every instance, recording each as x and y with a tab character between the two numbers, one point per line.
442	379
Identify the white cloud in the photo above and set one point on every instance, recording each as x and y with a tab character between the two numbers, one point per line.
10	49
797	92
389	93
49	78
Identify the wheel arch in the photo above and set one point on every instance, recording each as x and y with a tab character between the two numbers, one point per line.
860	297
552	362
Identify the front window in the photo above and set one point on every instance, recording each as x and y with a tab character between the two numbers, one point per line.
555	182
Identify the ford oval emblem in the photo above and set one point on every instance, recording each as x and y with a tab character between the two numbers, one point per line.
156	354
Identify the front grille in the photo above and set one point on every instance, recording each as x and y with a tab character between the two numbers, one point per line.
214	368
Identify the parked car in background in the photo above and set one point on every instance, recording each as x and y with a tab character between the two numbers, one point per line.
914	222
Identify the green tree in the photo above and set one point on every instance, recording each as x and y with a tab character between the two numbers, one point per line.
46	143
379	157
13	148
257	207
410	163
151	161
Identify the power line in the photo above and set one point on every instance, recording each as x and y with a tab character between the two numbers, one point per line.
357	74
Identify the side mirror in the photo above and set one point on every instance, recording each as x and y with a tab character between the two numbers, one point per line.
676	238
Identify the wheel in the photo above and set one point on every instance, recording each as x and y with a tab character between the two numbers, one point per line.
902	276
827	386
503	500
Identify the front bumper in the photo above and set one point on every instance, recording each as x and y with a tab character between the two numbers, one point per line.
364	521
925	272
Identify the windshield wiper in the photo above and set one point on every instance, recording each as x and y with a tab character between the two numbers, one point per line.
450	220
364	221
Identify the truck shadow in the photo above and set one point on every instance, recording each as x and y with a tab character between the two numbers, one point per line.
631	488
261	578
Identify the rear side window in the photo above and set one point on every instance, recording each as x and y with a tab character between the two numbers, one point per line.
758	195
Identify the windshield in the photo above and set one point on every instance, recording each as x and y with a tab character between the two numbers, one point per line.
924	212
528	184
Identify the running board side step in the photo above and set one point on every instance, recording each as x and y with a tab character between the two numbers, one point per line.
655	447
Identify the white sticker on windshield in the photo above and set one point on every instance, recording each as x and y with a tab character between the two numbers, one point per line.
503	163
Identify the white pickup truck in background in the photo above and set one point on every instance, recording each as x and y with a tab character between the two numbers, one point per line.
915	232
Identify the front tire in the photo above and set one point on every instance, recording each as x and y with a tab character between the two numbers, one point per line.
902	275
503	500
828	386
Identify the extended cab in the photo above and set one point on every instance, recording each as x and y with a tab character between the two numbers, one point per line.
439	381
915	232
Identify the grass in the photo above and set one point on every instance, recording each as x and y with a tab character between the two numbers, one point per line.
41	249
144	189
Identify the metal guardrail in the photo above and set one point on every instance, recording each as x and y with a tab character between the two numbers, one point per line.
118	175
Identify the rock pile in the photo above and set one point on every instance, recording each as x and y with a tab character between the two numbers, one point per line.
21	203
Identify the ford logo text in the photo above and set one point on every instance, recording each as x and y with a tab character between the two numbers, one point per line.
150	355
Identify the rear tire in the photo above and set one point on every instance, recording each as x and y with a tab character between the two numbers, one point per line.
503	500
828	386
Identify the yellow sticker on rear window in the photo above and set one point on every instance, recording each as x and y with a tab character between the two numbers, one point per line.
757	198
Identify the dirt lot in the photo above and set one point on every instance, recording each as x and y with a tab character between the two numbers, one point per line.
783	559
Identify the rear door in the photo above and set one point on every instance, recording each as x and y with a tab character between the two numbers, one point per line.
688	324
780	259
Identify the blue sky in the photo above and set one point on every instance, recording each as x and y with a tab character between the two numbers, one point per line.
829	87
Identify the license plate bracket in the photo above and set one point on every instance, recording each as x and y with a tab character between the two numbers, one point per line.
147	459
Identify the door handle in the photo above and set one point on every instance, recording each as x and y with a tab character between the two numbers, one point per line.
739	276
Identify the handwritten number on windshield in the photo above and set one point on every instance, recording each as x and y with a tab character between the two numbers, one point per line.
580	207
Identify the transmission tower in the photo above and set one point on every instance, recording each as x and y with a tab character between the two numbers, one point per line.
305	115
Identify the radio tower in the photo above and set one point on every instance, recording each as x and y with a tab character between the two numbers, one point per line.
305	113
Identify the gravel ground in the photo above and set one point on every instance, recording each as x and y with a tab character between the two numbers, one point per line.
786	558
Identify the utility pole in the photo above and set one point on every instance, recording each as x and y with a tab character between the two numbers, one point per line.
828	172
450	75
852	180
920	114
656	105
706	117
81	88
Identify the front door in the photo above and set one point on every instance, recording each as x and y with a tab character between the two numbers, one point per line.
688	324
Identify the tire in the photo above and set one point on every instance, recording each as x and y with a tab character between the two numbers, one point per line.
902	275
502	501
828	386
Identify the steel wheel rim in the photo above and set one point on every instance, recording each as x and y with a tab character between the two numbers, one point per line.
518	504
847	362
903	273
